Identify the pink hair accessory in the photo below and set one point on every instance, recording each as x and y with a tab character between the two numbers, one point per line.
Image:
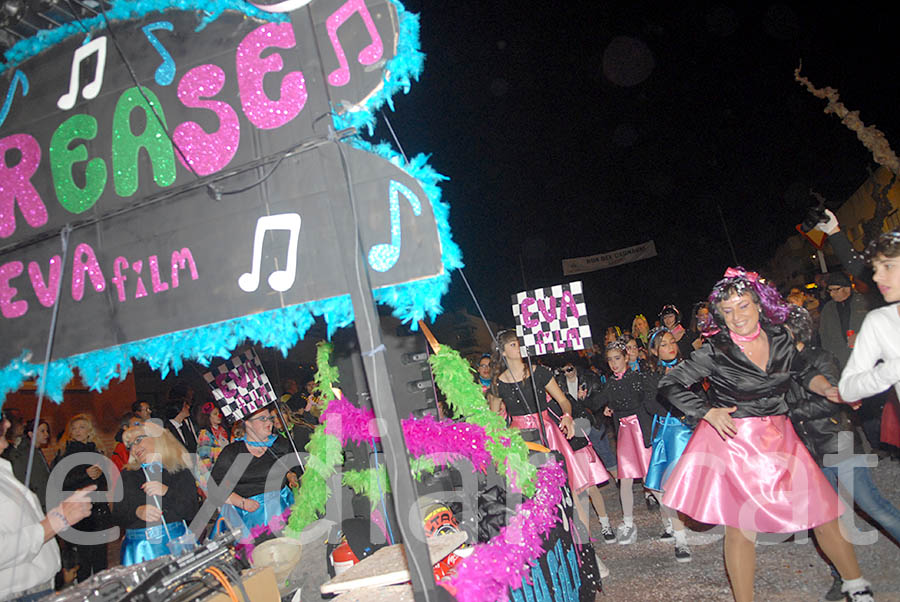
740	273
208	407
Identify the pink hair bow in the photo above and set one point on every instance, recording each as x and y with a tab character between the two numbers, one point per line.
741	273
208	407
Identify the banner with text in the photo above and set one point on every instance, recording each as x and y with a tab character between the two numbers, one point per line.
592	263
552	319
240	386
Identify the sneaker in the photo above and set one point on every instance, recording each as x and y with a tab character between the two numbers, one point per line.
601	568
652	502
682	553
862	595
609	536
834	594
627	535
667	535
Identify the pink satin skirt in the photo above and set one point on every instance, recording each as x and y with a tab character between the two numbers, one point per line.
763	479
632	457
584	467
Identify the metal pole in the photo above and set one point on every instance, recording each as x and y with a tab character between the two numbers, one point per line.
368	332
727	235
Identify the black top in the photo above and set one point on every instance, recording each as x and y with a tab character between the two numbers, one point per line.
735	380
178	504
253	480
818	421
186	435
40	469
511	394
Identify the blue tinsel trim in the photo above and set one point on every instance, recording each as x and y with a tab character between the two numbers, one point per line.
280	328
124	10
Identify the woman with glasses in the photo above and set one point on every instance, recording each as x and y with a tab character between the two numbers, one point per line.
159	494
264	472
635	353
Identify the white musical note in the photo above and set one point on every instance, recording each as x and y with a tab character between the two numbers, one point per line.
279	280
282	7
91	90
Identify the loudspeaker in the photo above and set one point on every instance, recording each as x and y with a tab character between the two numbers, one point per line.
407	361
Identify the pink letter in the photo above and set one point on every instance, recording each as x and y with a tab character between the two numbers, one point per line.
568	305
527	319
539	340
141	290
46	294
548	315
119	264
180	259
158	285
559	344
263	112
84	261
220	382
573	333
15	185
8	307
207	153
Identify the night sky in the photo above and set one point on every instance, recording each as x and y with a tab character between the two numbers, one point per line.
576	128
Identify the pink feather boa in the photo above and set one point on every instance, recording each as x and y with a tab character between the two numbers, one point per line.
500	564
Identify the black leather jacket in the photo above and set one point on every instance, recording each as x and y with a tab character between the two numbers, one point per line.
817	420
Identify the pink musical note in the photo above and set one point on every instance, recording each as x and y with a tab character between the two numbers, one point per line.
368	56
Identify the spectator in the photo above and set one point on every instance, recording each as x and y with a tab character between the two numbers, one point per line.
29	558
484	371
141	409
40	468
120	453
841	317
177	416
291	395
640	329
79	439
213	436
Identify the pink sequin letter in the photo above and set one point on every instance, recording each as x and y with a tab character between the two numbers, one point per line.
207	153
182	259
46	293
8	307
85	262
527	314
262	111
15	185
118	278
158	285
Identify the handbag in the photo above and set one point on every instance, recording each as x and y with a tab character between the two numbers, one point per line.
670	437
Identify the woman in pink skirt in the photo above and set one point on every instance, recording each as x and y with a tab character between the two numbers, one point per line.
513	389
745	467
623	399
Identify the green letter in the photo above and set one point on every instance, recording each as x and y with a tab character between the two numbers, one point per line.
126	146
62	158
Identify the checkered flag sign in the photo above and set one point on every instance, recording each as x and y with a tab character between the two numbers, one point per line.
240	386
552	319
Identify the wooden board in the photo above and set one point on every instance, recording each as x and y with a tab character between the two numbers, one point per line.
388	565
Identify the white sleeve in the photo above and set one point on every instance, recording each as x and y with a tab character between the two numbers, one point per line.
862	377
22	544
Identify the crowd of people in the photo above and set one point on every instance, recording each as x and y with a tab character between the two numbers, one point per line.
737	419
168	457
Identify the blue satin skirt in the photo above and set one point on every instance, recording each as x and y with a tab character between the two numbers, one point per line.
271	504
672	436
141	545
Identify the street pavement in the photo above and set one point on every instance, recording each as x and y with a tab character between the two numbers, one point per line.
646	571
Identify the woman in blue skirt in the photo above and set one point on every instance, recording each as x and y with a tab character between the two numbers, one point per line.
159	496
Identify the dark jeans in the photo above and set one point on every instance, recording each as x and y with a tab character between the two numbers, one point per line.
601	445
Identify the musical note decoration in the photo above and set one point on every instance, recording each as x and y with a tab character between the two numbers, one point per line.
369	55
165	73
279	280
285	6
91	90
18	79
383	257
